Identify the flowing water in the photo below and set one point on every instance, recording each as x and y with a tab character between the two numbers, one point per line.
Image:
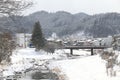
39	75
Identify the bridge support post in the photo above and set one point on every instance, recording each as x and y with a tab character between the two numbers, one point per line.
71	51
92	51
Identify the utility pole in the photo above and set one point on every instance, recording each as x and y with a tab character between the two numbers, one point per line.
25	40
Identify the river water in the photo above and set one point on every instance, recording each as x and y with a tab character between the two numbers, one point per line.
41	74
38	75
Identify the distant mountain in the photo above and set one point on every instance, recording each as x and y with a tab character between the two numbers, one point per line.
64	23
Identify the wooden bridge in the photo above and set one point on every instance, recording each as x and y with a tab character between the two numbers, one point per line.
84	47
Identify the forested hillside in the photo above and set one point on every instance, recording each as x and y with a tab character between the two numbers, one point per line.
64	23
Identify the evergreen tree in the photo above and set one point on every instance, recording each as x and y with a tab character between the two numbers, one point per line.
38	39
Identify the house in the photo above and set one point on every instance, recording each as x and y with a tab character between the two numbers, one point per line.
23	39
106	41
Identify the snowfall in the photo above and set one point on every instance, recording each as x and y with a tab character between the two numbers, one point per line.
81	66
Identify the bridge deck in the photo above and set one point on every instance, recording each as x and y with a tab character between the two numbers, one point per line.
84	47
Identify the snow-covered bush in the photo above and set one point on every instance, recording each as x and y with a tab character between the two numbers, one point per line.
61	76
111	62
106	55
50	47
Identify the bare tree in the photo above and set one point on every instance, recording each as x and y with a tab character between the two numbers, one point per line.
10	8
111	61
13	7
6	47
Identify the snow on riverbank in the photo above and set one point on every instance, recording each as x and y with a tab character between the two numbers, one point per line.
87	68
23	59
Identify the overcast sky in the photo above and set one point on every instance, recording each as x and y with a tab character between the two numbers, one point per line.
75	6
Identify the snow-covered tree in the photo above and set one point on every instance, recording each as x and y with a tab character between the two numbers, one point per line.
54	36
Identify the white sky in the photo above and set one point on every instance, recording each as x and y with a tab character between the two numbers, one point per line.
75	6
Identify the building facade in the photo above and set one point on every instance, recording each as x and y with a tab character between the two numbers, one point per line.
23	40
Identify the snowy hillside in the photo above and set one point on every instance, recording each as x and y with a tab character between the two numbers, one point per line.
64	23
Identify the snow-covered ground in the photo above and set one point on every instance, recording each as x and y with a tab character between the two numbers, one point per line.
84	67
23	59
87	68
